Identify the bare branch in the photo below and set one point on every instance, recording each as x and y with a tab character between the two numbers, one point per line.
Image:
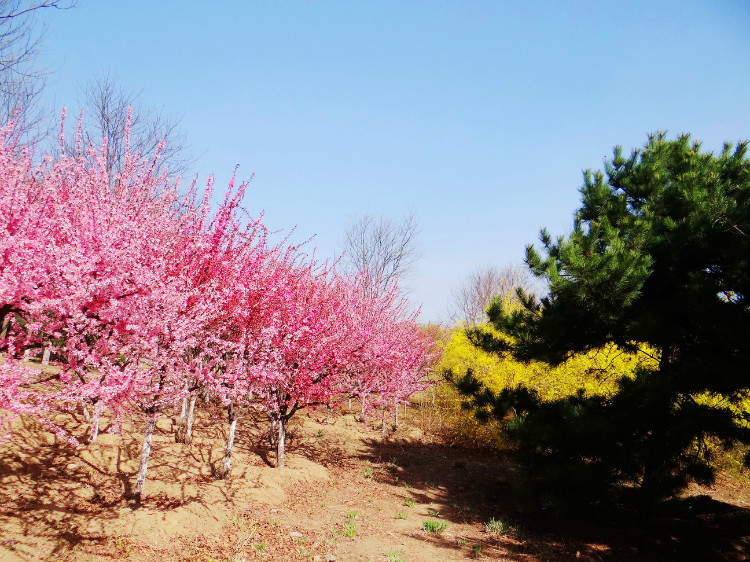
383	249
21	82
106	106
30	8
469	301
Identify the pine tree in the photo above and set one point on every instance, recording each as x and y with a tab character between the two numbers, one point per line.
658	258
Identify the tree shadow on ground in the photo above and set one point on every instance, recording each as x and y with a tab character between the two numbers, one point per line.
51	491
473	487
57	501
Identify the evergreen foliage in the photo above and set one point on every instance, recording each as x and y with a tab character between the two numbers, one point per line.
657	260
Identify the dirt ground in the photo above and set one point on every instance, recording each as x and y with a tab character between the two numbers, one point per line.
345	495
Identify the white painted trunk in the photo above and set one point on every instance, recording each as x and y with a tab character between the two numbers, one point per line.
363	404
384	428
184	433
145	454
273	435
190	417
281	443
85	410
45	356
227	467
183	410
395	409
95	423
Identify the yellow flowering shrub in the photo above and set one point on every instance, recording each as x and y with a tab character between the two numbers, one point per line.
596	372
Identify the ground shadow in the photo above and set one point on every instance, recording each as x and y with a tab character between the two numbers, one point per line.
51	491
475	487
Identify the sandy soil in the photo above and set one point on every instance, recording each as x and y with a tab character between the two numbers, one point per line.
345	495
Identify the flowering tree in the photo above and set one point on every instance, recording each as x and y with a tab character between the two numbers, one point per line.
141	296
391	355
119	276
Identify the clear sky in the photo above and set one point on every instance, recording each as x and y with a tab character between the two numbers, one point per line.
478	116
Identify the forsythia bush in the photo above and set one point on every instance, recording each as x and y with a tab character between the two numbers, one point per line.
596	373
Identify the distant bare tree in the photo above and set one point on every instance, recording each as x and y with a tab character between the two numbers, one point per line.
105	109
383	248
21	81
471	298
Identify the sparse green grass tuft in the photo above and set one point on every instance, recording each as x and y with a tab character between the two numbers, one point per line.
434	526
496	527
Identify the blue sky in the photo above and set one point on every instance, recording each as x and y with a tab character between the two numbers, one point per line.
477	116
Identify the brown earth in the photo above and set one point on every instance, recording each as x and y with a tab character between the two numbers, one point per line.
345	495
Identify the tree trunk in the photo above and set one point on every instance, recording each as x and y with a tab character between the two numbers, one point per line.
85	410
143	465
190	418
46	354
656	448
384	428
363	404
395	415
184	433
6	324
183	410
226	468
273	432
281	442
95	422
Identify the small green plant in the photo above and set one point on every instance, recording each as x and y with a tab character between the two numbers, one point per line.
433	513
476	549
320	433
402	515
393	556
496	527
434	526
259	546
368	472
350	528
407	485
408	502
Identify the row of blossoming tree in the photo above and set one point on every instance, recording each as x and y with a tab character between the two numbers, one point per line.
141	297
